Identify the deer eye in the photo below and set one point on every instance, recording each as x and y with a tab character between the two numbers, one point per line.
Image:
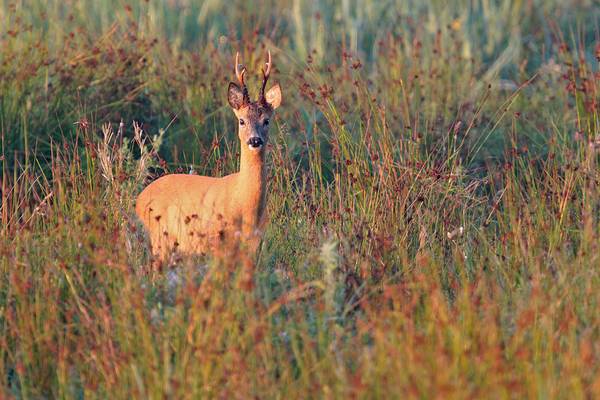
266	123
242	122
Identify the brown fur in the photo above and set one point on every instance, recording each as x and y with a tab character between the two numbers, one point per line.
191	214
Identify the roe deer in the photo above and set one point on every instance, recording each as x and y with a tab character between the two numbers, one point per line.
191	214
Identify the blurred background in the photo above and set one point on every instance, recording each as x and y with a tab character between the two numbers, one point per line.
166	64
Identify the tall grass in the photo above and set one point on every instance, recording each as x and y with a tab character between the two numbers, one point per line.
433	200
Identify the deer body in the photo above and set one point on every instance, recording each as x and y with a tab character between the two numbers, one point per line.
192	214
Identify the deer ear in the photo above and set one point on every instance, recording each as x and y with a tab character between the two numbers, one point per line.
273	96
235	96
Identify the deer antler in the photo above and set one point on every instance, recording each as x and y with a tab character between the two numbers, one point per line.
240	76
266	74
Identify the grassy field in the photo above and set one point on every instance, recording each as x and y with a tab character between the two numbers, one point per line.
434	200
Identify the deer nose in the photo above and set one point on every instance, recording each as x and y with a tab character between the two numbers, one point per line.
255	142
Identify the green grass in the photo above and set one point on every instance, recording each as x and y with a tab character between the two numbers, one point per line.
434	200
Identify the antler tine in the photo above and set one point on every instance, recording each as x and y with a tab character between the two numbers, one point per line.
240	77
268	64
266	73
239	74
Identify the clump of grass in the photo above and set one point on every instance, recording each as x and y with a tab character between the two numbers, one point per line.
433	203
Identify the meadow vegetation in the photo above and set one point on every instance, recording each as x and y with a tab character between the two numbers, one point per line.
434	200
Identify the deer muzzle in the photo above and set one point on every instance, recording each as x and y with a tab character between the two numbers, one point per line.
255	142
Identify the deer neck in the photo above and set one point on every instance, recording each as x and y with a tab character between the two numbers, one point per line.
252	182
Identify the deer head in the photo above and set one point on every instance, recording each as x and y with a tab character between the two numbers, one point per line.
253	116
